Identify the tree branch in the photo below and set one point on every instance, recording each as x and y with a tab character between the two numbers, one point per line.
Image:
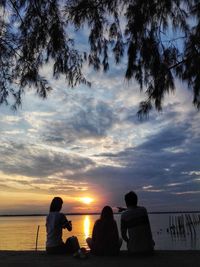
15	8
177	64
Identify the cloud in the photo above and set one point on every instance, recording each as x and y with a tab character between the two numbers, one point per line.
35	161
165	165
90	140
106	147
90	121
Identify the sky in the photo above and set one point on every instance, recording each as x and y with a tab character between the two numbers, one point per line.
86	142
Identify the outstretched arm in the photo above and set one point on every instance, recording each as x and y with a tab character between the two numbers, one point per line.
120	209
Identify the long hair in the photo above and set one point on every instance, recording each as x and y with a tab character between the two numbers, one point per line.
107	214
56	204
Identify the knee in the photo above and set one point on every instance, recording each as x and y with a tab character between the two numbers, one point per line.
89	242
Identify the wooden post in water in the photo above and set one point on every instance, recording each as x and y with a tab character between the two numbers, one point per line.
176	225
180	226
170	230
189	223
183	225
192	225
36	241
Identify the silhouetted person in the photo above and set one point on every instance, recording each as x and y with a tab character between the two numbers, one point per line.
105	237
135	222
55	222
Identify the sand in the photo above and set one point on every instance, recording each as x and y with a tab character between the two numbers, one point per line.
40	259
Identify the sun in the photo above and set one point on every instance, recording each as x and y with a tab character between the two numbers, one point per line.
87	200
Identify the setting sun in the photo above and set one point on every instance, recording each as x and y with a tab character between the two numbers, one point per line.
86	200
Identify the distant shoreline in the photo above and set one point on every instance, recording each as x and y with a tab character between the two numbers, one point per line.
96	213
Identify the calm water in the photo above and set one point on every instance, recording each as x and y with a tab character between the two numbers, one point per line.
19	233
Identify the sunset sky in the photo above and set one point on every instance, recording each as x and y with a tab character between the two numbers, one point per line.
88	143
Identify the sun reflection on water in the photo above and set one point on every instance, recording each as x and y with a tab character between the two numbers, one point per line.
86	226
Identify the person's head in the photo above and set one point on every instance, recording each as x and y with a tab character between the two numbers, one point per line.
107	213
56	204
131	199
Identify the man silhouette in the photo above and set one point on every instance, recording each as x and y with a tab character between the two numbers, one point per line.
135	221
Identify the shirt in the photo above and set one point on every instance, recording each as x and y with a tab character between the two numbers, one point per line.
55	222
135	221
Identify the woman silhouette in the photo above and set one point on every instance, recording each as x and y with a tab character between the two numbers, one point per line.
105	238
55	222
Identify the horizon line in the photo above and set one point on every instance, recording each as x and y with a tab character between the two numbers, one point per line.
95	213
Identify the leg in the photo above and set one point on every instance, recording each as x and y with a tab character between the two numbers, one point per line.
120	242
72	244
89	242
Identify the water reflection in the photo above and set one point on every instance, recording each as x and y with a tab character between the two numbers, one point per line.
86	226
23	236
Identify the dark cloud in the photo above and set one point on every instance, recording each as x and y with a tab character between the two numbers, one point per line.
153	118
154	157
34	161
174	136
90	121
162	163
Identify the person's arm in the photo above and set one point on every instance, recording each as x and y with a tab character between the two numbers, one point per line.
120	209
148	223
124	230
115	233
95	232
66	224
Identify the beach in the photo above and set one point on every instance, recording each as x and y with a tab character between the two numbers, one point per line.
41	259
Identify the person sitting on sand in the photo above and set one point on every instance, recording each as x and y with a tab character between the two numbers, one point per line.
135	221
55	222
105	238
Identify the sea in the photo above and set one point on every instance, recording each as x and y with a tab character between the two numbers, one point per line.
171	231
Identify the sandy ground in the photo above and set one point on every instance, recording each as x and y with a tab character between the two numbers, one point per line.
40	259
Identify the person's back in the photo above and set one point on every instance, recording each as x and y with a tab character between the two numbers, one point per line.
54	225
105	238
135	221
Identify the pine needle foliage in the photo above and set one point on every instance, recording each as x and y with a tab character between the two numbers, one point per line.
159	41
